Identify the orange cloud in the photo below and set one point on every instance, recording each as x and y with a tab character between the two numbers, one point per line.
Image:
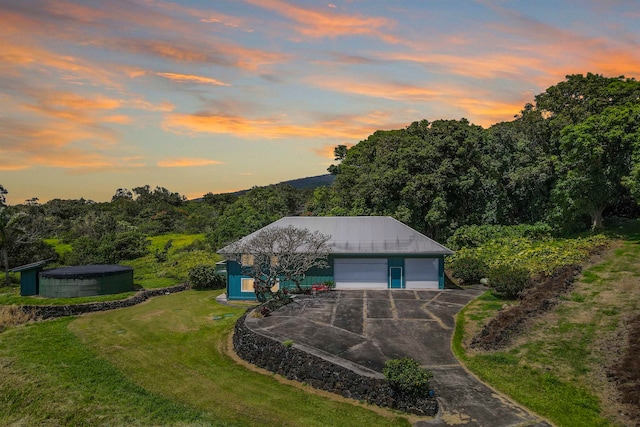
192	78
485	66
187	162
327	23
206	16
347	128
388	90
479	106
10	166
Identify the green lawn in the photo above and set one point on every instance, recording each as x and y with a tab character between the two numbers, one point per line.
158	363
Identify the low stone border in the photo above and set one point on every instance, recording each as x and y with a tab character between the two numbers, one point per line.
295	364
54	311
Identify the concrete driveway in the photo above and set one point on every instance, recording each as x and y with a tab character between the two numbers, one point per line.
366	328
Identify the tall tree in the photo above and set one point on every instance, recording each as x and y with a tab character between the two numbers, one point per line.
596	160
427	176
518	173
4	224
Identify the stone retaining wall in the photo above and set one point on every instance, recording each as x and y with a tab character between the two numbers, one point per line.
296	364
54	311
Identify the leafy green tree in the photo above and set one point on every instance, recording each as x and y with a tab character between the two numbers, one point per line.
417	175
519	174
596	159
4	232
19	241
160	211
339	153
110	248
253	210
60	214
579	97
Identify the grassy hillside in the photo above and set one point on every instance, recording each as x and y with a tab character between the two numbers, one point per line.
159	363
164	362
559	366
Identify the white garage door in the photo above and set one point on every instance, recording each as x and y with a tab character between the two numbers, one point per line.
360	273
421	273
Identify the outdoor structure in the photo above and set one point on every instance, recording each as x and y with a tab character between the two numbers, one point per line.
29	279
85	280
371	252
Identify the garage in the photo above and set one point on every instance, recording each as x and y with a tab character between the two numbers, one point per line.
360	273
421	273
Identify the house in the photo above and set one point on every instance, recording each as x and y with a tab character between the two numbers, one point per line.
366	252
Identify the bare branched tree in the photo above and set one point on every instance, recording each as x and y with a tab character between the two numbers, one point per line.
280	253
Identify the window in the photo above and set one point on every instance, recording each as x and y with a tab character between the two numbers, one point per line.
247	285
247	259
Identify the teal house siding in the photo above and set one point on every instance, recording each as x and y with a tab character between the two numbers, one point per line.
30	277
364	253
235	276
29	282
234	283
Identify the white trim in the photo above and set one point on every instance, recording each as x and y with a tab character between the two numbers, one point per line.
402	285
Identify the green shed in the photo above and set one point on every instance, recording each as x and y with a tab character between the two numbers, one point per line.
29	277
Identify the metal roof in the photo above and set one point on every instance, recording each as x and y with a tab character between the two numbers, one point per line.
364	235
32	266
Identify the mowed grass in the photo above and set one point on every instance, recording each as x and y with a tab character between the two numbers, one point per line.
557	367
11	296
49	377
159	363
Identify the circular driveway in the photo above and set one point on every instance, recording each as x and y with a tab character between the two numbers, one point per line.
365	328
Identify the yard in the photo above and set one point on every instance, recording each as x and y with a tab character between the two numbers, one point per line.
163	362
566	363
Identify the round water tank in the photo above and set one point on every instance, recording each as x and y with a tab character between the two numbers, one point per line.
85	280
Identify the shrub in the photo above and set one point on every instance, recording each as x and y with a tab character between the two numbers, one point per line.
407	377
205	277
109	249
471	236
508	281
470	269
163	255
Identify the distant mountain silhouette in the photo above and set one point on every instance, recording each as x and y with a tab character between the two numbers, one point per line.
311	181
307	183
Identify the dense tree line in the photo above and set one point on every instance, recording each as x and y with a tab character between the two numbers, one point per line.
568	159
115	231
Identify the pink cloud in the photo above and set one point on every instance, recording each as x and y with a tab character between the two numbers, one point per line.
317	23
192	78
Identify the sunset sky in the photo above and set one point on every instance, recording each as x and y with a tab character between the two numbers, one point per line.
217	96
